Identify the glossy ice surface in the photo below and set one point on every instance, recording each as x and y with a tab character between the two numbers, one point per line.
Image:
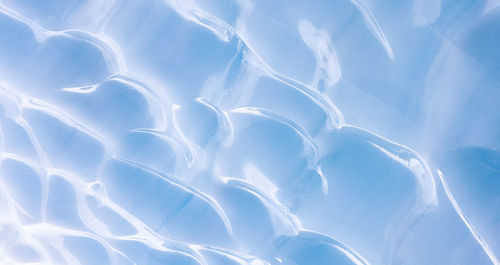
250	132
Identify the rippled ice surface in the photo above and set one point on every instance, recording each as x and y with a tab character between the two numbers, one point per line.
249	132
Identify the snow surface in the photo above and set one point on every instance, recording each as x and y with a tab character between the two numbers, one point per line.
249	132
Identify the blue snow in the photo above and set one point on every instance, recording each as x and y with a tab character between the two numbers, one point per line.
253	132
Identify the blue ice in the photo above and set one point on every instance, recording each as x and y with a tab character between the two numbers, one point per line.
250	132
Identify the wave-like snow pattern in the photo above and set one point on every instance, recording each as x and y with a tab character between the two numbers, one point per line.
249	132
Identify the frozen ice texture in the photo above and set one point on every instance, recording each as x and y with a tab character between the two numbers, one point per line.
249	132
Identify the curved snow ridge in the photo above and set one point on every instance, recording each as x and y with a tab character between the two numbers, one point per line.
190	11
117	186
158	135
374	26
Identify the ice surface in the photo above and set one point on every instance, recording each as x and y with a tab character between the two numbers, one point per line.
249	132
